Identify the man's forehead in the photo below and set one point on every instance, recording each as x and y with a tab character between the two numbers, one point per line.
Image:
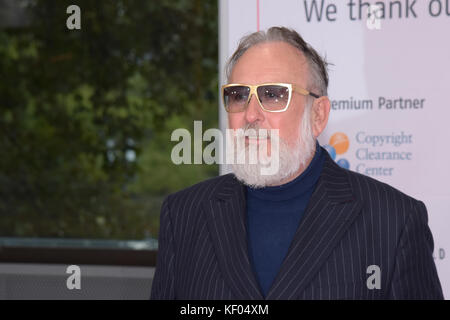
271	61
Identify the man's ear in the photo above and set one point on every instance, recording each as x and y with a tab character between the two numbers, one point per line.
319	114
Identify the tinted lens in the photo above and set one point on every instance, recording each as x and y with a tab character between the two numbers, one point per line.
273	97
235	98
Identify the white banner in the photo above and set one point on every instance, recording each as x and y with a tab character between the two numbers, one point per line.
389	88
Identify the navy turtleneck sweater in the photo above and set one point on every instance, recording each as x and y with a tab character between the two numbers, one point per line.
273	215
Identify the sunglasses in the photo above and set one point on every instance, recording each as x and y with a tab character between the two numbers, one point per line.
272	97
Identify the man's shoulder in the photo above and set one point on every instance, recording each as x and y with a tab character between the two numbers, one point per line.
364	188
186	207
370	189
203	190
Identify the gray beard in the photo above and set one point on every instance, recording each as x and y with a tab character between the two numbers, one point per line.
291	158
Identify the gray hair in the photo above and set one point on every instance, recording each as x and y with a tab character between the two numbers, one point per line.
318	73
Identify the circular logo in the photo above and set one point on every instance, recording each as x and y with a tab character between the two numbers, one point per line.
339	141
343	163
331	151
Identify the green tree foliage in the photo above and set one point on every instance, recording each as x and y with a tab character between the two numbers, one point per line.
86	115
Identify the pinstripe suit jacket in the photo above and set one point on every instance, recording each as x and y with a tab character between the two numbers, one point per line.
351	222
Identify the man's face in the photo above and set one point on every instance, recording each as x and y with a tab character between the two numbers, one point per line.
271	62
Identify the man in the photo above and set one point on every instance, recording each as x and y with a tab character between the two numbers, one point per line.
312	230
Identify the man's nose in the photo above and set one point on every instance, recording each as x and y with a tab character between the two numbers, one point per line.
254	112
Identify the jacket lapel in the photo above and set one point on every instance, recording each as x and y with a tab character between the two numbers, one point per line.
330	212
226	213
